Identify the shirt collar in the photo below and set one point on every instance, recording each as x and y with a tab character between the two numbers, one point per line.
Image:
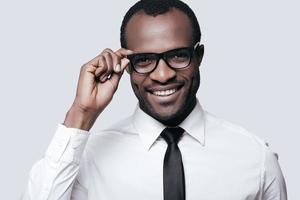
149	128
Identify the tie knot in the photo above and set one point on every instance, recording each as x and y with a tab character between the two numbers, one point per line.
172	134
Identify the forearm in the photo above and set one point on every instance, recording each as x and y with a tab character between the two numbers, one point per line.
54	175
51	180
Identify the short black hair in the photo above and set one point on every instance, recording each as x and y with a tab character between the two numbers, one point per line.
157	7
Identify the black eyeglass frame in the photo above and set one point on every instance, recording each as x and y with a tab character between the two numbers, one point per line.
163	56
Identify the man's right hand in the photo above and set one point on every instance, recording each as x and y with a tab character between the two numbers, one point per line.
98	81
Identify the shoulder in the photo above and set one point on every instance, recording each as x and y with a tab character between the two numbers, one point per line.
234	134
244	142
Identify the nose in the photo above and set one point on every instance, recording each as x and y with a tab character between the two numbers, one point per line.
162	73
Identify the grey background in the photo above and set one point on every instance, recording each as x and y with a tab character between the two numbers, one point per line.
249	73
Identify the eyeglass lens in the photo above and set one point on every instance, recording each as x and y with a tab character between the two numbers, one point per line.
146	62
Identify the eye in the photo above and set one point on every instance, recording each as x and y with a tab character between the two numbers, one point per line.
180	56
143	61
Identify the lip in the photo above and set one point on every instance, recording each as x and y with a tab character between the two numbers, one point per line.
176	86
165	100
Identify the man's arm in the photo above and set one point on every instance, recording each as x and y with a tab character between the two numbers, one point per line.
98	82
274	187
54	176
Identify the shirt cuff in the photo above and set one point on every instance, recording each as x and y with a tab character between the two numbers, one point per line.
67	144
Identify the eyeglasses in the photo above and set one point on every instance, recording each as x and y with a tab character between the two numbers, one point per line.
179	58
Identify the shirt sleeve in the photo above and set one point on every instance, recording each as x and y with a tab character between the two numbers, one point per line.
274	187
54	176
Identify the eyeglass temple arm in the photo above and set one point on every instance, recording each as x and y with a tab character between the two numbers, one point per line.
196	45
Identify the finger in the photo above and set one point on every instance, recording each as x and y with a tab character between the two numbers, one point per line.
109	63
100	66
107	54
116	60
124	63
101	69
87	72
122	52
86	79
117	63
95	60
115	78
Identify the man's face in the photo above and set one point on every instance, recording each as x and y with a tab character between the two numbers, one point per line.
158	34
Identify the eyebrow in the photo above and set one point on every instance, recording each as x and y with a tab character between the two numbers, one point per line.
161	51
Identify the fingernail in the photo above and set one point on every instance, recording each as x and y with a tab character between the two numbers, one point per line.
118	67
103	79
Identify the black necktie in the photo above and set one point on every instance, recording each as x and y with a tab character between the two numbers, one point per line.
174	185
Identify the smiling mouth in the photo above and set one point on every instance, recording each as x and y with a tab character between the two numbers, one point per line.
164	92
161	92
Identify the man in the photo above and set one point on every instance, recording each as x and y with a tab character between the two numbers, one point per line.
170	148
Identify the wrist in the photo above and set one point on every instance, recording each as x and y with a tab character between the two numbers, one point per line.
80	119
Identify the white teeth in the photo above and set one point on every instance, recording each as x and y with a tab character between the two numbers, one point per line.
164	93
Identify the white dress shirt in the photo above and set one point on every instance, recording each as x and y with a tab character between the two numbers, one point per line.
222	161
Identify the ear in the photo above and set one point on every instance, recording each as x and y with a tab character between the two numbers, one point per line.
199	54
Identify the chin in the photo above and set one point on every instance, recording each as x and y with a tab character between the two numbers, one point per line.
170	115
164	116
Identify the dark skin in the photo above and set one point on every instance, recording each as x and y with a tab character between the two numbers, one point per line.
99	78
170	30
